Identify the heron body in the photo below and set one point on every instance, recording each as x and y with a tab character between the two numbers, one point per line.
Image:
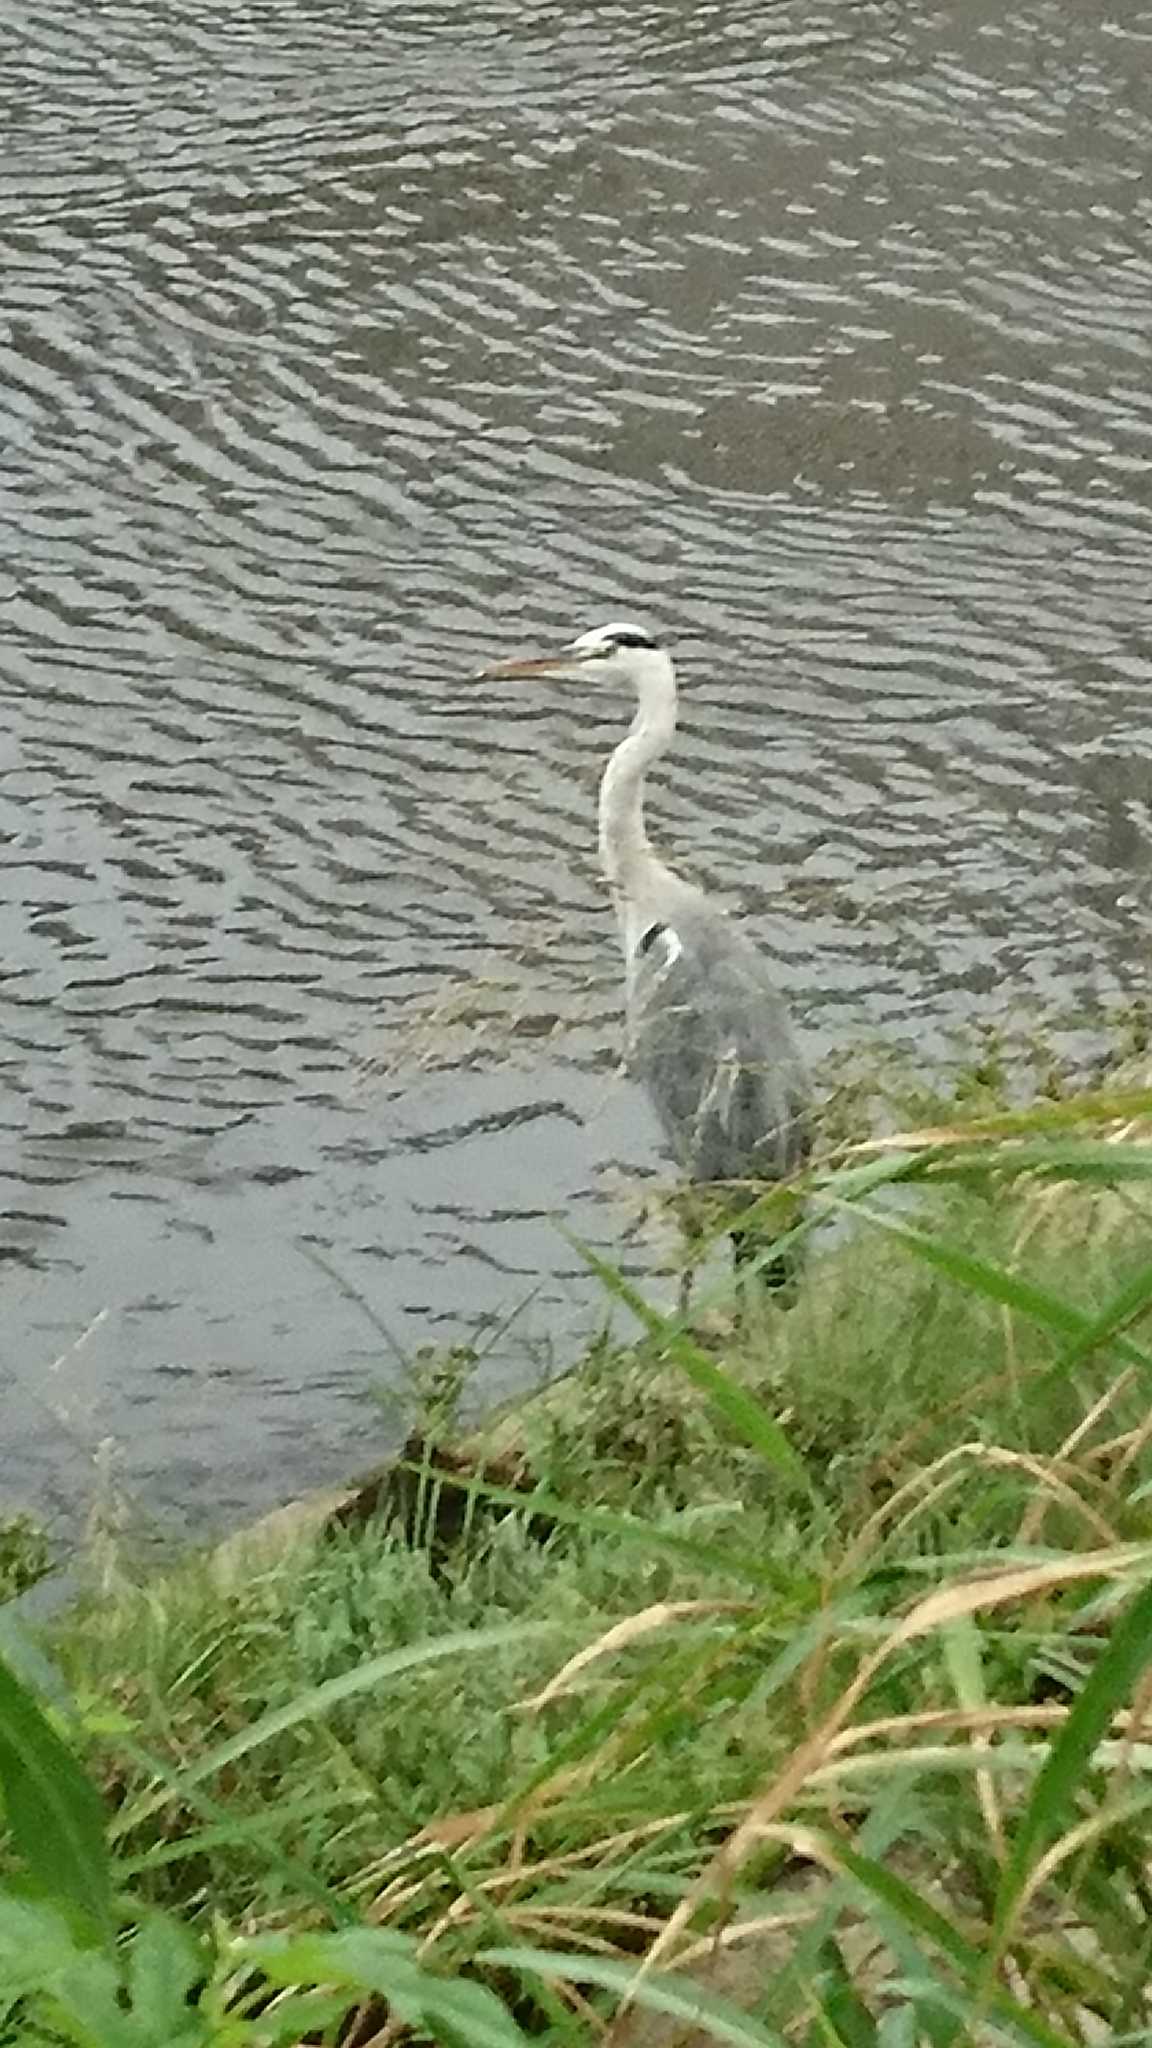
707	1033
710	1039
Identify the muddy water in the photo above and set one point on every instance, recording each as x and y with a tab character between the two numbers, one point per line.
343	346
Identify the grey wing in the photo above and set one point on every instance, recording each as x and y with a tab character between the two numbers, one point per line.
711	1040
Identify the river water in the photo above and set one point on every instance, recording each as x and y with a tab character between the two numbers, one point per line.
345	344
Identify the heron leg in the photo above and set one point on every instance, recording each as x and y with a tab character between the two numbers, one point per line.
776	1276
691	1245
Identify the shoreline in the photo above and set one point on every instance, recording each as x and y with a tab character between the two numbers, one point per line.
987	1085
831	1582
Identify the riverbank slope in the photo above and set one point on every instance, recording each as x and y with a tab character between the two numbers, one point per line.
797	1651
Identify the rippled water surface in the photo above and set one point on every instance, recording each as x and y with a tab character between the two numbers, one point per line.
345	345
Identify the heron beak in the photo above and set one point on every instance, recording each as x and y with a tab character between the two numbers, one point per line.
531	665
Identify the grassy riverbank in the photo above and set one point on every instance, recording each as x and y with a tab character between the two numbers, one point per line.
810	1673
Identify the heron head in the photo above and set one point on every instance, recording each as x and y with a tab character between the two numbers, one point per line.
619	652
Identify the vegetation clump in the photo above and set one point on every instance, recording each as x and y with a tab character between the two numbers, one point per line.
785	1676
25	1555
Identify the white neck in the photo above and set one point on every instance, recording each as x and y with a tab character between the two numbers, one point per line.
624	848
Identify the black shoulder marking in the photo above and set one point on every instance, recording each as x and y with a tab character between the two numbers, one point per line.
649	938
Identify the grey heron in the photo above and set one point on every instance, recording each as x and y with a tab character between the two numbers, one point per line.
707	1033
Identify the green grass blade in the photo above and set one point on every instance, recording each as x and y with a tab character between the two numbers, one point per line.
969	2024
1126	1307
679	1997
924	1920
55	1813
883	1826
963	1644
1095	1160
165	1961
385	1963
844	2017
900	2027
27	1661
927	2024
996	1283
851	1183
1052	1807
